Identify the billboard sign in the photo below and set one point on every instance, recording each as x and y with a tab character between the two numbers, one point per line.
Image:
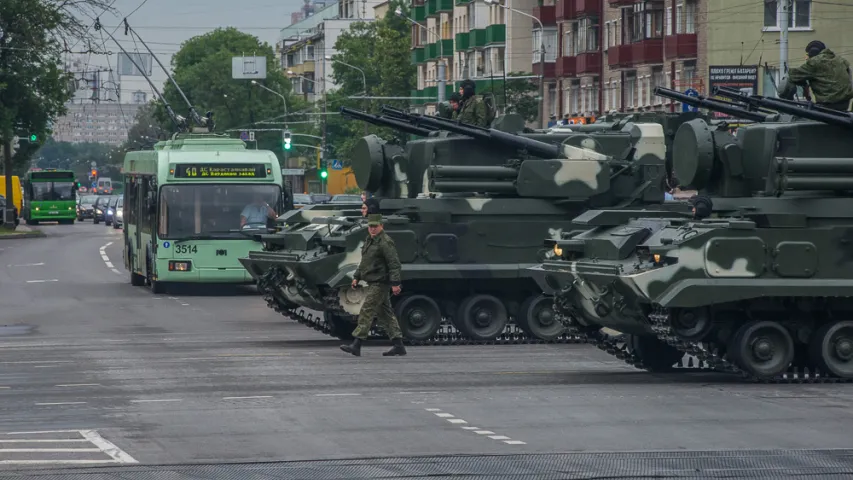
738	77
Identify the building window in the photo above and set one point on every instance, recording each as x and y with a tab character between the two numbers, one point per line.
570	40
645	21
657	81
588	37
689	16
550	45
574	97
630	90
552	98
799	17
309	52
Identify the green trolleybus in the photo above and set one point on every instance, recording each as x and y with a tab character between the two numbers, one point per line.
49	196
191	207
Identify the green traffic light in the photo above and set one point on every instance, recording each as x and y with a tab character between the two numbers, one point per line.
287	146
33	137
324	174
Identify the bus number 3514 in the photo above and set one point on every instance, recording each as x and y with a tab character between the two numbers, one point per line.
186	249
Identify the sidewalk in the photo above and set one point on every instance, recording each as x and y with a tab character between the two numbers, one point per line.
22	231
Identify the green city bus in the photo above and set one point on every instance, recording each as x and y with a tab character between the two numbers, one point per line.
50	195
183	206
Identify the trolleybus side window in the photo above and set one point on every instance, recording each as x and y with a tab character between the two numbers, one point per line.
132	198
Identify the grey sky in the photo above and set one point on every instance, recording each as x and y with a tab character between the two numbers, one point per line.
164	24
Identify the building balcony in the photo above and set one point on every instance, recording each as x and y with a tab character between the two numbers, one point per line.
463	41
587	8
418	55
431	51
419	13
496	34
550	70
434	7
303	68
463	2
682	45
565	67
565	9
445	48
478	37
622	3
588	63
430	94
547	14
649	51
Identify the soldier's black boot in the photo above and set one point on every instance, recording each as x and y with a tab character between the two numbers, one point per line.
354	348
397	349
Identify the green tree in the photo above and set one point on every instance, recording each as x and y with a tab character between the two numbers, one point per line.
519	96
33	86
202	68
382	50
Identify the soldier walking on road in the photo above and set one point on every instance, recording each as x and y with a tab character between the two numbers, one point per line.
827	75
380	268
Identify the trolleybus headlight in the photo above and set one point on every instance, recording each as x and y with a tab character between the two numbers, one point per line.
37	209
179	266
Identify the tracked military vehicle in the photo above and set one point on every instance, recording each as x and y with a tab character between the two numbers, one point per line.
487	198
761	287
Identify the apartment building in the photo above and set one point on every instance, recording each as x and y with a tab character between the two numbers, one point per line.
475	40
303	46
106	123
613	53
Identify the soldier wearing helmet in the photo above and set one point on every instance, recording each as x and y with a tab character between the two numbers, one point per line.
472	109
827	75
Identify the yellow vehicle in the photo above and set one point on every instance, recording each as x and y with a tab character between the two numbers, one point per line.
16	189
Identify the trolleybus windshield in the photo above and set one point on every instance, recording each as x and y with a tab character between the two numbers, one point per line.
211	211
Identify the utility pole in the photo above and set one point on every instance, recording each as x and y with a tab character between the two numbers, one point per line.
542	77
442	79
784	15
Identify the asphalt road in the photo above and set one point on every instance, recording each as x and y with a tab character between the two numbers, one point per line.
96	372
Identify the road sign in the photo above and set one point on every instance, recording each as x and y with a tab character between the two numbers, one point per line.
337	165
247	68
293	171
244	136
251	136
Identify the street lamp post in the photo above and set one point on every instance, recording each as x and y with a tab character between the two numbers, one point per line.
541	57
363	79
284	100
442	66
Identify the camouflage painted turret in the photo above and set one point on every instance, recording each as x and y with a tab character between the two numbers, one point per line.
756	283
467	208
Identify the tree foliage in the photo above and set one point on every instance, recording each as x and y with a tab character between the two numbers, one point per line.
202	68
382	50
33	84
519	96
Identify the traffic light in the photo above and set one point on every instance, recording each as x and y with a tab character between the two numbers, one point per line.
286	139
33	137
15	144
323	171
94	173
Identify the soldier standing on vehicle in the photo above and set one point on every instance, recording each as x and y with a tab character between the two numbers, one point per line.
827	75
380	268
472	109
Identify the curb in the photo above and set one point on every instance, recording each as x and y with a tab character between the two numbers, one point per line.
14	236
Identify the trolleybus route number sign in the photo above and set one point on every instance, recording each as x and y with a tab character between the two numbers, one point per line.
206	171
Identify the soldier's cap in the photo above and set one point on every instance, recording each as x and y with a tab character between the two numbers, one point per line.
815	47
374	219
468	83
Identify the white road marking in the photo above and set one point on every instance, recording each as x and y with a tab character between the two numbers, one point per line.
414	393
479	431
61	403
27	265
4	388
38	361
42	281
106	259
241	398
41	431
80	385
107	447
158	400
337	395
185	304
54	462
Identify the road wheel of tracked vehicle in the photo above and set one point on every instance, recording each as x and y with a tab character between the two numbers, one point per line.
655	355
691	324
537	318
482	317
764	349
419	317
831	348
339	326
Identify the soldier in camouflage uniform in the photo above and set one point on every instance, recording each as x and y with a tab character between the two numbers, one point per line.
380	268
472	109
827	75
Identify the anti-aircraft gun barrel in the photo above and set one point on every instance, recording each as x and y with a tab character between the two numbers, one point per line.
533	147
454	171
704	102
810	112
386	122
507	187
